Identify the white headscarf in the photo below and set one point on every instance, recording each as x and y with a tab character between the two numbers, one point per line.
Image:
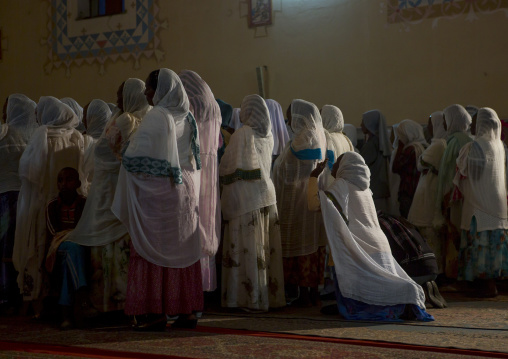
309	140
410	133
375	122
97	116
21	115
336	142
279	130
78	110
55	118
98	225
245	166
482	163
438	128
457	119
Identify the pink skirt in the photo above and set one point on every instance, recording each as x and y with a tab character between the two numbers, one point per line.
152	289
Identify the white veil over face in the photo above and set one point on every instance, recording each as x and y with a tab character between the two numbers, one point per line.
78	110
457	119
307	127
97	116
21	115
437	120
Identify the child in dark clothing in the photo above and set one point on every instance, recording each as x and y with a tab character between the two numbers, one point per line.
66	260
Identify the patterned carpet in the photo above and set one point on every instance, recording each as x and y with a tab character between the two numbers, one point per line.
480	327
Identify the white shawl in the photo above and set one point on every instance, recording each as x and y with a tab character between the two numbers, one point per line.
245	166
155	198
482	165
54	145
364	265
423	212
98	226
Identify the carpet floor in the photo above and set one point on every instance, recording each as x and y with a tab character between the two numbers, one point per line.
468	328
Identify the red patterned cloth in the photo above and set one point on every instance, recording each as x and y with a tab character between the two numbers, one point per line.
155	289
305	271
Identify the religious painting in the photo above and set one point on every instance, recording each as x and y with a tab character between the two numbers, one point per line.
260	13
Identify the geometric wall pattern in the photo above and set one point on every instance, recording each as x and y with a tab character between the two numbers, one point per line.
416	11
126	37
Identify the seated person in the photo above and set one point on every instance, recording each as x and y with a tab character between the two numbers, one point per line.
66	260
370	284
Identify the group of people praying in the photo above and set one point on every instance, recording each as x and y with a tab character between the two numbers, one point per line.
144	205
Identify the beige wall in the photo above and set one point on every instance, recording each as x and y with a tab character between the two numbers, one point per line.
339	52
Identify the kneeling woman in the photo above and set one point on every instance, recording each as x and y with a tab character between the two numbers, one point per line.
370	285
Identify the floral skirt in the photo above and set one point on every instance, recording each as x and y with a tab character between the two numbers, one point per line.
252	275
484	254
152	289
306	271
110	266
8	284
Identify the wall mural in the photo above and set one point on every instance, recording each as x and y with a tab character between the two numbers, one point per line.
127	36
411	12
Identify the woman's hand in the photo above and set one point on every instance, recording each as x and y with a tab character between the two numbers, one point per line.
319	168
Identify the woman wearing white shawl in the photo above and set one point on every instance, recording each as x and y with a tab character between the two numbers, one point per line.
252	275
336	142
303	240
411	145
78	110
20	115
481	180
370	283
54	145
207	113
96	115
98	227
376	153
351	132
279	130
157	199
12	145
423	212
457	121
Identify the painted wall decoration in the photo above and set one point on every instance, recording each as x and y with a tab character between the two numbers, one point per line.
410	12
127	36
260	12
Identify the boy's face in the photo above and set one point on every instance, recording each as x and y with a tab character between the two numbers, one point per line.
68	181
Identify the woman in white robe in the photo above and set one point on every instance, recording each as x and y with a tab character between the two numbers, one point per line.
481	180
370	283
19	110
54	145
95	117
157	199
207	114
252	275
302	237
458	122
98	227
423	213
